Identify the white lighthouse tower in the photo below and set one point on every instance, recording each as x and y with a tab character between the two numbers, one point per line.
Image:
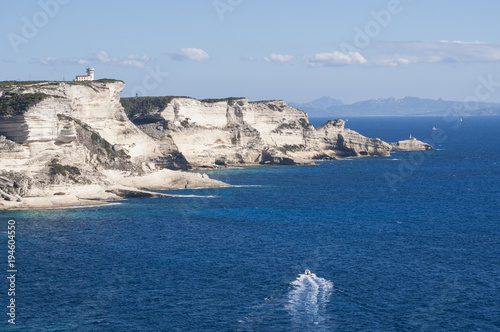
90	73
88	77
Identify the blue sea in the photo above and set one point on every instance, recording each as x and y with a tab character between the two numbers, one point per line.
409	242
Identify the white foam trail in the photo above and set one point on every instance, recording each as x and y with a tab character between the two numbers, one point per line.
307	300
247	186
193	196
67	207
197	188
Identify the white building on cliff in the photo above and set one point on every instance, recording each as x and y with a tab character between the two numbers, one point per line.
88	77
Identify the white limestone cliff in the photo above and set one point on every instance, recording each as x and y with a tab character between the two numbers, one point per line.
71	142
236	131
75	144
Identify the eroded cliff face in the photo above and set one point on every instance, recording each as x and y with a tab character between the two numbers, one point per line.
69	117
346	142
71	143
74	142
235	131
228	132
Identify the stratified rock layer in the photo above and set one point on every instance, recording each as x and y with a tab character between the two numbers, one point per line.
236	131
76	144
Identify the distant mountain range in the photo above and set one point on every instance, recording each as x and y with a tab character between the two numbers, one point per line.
408	106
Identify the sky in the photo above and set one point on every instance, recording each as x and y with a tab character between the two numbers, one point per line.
261	49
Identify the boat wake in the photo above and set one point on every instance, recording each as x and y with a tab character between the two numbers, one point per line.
246	186
308	299
194	196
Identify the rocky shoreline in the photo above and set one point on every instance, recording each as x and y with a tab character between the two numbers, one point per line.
75	144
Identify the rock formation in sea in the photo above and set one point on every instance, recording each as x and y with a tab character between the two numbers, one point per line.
77	143
411	144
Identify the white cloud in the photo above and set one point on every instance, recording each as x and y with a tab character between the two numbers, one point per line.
335	58
102	57
137	57
390	62
279	58
133	60
53	61
392	54
130	63
400	53
195	54
249	58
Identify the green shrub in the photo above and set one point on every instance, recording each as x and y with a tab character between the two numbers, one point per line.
13	84
272	107
262	101
106	146
292	125
284	126
72	170
215	100
64	117
303	122
107	80
138	105
95	138
292	148
57	168
17	104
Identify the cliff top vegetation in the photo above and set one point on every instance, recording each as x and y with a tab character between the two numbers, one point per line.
19	103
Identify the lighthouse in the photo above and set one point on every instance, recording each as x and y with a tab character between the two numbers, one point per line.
90	73
88	77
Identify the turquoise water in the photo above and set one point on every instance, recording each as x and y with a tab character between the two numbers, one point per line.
404	243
